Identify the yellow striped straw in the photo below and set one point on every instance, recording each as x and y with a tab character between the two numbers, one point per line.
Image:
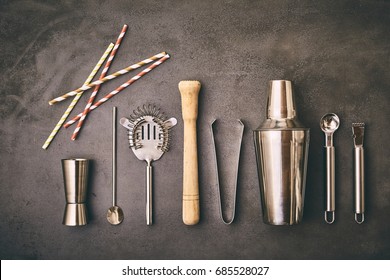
77	97
108	78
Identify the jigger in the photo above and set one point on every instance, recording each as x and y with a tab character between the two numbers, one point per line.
75	173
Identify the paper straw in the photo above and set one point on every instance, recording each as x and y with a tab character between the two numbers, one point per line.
107	78
96	89
120	88
77	97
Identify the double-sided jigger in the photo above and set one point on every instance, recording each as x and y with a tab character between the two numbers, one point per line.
75	172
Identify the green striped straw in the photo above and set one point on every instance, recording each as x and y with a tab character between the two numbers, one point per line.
77	97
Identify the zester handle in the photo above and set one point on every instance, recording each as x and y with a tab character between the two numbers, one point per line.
330	185
189	91
359	184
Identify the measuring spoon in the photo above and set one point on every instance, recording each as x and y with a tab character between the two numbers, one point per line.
329	124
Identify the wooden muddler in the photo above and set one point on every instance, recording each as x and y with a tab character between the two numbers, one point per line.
189	91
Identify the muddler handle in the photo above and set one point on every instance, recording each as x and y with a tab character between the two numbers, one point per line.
189	91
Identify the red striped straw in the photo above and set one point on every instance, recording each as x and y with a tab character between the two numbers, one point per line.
77	98
96	89
119	89
107	78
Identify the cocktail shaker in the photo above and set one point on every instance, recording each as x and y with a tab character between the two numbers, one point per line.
282	145
75	172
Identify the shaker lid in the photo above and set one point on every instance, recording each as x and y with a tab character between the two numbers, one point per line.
281	109
281	103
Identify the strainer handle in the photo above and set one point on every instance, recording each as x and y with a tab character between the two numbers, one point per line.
149	196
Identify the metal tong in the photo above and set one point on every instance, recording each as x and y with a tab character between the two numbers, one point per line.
236	162
358	136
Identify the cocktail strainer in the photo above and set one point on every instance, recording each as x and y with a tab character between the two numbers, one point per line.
149	140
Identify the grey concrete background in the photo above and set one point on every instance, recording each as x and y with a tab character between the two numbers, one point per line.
336	53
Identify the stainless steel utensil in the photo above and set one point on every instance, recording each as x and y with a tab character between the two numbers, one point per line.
282	147
329	124
235	163
114	213
358	136
149	139
75	172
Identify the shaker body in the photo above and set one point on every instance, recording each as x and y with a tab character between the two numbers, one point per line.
282	163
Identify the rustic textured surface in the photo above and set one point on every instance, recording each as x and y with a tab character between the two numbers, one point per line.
336	53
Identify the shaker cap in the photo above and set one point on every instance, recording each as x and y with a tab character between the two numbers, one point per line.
281	104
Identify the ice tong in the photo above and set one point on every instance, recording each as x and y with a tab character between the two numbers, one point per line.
236	162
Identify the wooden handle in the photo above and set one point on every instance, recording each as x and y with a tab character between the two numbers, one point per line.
189	91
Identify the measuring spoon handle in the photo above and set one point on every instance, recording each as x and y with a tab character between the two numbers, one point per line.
330	185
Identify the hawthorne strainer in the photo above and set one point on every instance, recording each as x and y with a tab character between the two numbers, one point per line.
148	132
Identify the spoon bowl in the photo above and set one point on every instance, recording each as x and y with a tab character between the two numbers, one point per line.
329	123
115	215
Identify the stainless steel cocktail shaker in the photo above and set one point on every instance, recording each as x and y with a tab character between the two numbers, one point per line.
282	145
75	173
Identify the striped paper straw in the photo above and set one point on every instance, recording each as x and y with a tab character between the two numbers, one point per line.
107	78
119	89
77	97
96	89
